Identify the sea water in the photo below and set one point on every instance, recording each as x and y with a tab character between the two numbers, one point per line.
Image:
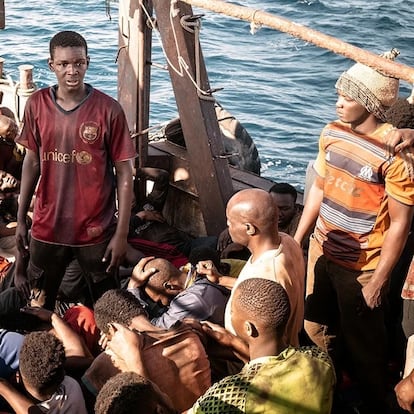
280	88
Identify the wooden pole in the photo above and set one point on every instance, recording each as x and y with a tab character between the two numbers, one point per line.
134	72
144	77
307	34
209	170
2	15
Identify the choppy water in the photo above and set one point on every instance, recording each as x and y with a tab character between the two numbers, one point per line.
280	88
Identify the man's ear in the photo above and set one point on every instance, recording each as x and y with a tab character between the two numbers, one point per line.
250	229
168	285
250	329
88	59
50	64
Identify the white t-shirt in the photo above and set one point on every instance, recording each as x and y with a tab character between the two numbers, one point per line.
286	266
68	398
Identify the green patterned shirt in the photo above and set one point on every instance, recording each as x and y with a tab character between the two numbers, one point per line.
297	381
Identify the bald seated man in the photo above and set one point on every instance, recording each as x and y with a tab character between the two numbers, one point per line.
182	295
252	219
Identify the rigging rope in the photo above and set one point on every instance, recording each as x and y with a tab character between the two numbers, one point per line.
188	23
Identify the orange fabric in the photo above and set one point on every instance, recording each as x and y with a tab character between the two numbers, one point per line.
358	179
81	320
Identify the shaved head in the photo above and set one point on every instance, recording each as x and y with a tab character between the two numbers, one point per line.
165	271
251	207
156	288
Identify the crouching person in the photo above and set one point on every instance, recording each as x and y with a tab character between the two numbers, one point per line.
277	378
174	359
45	387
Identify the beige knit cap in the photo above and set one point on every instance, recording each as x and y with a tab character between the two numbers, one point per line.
373	90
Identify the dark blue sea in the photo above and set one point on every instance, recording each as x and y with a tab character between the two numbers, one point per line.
280	88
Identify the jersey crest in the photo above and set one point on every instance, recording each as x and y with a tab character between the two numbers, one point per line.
89	132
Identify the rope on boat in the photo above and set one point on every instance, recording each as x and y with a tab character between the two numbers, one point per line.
191	24
258	17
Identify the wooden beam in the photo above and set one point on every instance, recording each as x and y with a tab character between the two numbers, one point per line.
2	15
307	34
134	69
208	169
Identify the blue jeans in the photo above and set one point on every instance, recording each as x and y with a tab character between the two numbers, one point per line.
338	320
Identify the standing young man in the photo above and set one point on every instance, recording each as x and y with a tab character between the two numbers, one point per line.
78	160
362	201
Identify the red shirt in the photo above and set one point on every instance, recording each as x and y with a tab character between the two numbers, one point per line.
75	199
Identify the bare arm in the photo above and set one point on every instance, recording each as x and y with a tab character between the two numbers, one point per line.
311	210
30	177
117	247
400	216
17	401
77	354
207	268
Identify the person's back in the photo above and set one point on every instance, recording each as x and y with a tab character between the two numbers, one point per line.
278	378
295	381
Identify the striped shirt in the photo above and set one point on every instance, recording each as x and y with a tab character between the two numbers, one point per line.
358	179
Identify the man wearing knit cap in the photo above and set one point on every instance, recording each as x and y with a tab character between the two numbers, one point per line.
362	202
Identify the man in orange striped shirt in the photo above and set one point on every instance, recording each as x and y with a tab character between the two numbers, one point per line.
362	202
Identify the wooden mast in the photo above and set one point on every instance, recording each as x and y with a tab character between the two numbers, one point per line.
209	170
307	34
2	15
134	72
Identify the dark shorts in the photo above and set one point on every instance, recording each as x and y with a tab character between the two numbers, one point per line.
49	263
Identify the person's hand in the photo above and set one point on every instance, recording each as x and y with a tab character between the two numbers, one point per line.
126	345
372	294
399	139
115	252
103	341
139	276
404	391
151	215
41	313
207	268
218	333
224	239
7	181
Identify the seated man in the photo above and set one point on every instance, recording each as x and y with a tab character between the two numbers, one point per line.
127	390
278	378
46	387
289	214
252	220
184	295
